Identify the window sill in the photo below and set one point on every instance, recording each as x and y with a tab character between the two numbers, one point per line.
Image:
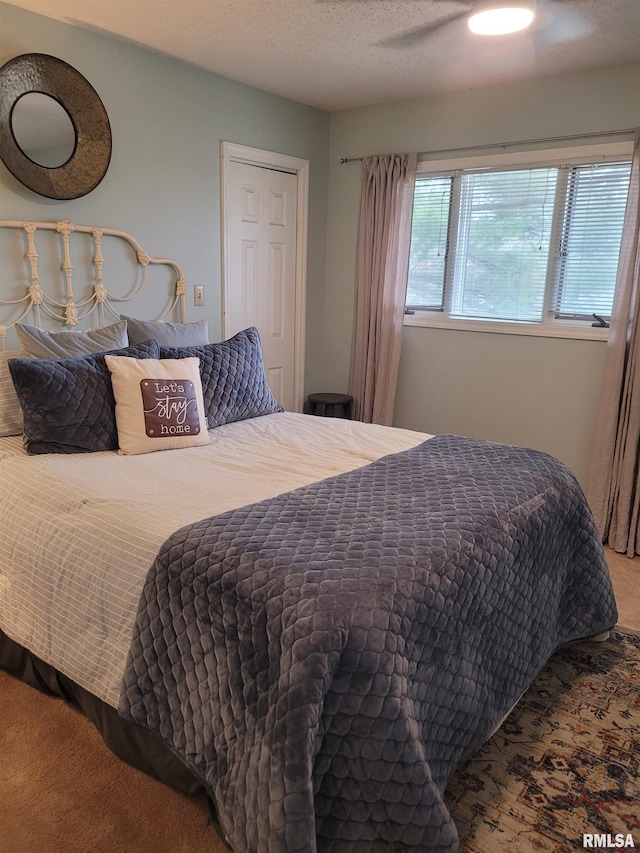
579	331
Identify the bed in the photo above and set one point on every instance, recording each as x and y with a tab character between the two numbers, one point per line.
313	620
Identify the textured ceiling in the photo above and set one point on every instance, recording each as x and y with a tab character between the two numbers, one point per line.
337	54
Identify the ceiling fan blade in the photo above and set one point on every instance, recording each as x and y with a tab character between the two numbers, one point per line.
559	22
416	35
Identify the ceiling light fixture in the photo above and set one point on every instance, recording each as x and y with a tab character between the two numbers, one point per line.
494	19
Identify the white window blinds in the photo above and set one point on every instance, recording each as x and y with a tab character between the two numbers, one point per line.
518	244
590	241
429	242
503	244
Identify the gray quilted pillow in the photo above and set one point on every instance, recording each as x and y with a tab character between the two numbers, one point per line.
234	383
67	403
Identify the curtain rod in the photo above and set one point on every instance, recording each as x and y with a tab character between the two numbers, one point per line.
503	145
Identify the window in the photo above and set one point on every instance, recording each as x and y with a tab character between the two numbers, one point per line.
535	244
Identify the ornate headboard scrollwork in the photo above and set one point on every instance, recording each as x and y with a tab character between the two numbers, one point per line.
99	299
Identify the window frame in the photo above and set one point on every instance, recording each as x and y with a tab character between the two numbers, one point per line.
572	155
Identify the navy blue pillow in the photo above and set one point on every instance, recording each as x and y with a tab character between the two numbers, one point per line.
67	403
234	384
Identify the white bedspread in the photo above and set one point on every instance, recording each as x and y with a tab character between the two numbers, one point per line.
79	533
11	446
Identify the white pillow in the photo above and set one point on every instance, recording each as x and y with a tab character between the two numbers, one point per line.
159	404
10	411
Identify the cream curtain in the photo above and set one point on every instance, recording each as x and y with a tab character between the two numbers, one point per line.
614	485
384	240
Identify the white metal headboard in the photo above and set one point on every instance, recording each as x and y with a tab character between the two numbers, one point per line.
71	312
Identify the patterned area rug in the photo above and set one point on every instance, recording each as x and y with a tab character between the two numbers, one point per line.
566	761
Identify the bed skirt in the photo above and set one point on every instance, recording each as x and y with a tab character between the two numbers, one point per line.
132	744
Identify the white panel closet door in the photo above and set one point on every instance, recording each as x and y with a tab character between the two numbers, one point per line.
261	235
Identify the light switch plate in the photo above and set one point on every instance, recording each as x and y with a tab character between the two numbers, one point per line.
198	294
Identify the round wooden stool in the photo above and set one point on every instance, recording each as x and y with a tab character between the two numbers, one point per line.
329	405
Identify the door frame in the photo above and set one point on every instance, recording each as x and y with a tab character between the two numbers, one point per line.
232	152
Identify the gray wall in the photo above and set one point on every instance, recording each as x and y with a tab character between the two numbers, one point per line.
538	392
163	183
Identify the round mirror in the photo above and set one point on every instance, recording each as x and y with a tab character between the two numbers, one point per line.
43	129
65	171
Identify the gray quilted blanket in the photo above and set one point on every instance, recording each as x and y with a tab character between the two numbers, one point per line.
324	660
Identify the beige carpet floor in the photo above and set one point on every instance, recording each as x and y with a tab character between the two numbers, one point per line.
63	791
625	576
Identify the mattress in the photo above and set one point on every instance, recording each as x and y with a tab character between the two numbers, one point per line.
80	532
